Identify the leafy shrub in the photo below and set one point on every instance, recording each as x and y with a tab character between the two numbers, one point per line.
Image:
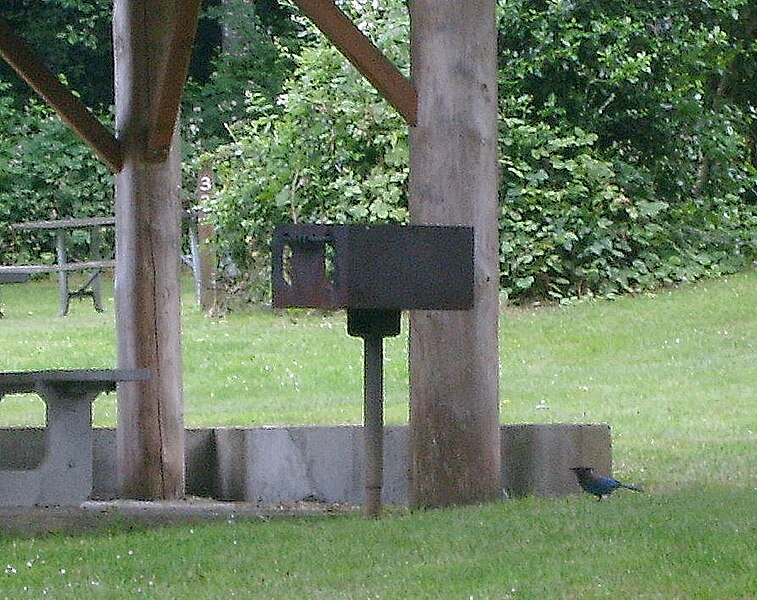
46	172
329	150
572	223
604	140
627	142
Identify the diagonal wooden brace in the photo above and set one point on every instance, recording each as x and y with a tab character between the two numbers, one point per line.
364	55
70	109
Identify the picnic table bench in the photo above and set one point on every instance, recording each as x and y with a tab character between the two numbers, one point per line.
63	267
64	475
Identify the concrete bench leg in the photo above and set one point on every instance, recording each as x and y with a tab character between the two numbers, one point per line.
66	471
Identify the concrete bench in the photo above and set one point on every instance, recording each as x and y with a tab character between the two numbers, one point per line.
63	475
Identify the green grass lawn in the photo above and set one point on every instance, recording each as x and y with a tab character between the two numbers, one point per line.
675	375
694	543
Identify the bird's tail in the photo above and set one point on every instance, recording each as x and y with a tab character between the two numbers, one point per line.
634	488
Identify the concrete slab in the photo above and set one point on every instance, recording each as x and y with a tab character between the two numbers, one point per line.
275	464
288	463
201	478
132	514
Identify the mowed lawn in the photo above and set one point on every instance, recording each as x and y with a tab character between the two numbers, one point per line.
674	374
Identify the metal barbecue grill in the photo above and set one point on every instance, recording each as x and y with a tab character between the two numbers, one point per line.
374	272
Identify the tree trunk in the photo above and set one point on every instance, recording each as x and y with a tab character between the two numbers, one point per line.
148	232
454	405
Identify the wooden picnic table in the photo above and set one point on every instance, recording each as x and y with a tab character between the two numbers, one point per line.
96	263
63	267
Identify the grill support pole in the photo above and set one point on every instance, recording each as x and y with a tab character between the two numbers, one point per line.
375	272
373	326
373	422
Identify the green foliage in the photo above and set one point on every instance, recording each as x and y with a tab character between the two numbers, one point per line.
573	224
45	173
72	37
252	57
626	151
628	135
329	150
45	170
626	146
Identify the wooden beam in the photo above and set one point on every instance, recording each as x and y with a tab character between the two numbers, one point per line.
72	266
70	108
172	76
150	438
364	55
454	400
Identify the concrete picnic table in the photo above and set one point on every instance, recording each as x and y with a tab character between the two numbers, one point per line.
95	264
64	474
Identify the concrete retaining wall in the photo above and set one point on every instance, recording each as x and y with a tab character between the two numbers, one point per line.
201	459
279	464
282	464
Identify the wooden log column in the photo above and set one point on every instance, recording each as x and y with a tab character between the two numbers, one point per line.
454	406
148	216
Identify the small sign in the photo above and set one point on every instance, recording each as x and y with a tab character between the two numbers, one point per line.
205	185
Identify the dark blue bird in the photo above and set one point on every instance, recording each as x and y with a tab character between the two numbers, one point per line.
599	485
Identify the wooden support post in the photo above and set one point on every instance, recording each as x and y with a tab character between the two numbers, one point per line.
208	261
148	215
454	406
205	259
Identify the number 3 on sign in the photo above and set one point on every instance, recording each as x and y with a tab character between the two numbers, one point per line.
204	185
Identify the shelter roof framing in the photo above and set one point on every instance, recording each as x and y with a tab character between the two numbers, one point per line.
325	14
454	447
364	56
164	108
69	107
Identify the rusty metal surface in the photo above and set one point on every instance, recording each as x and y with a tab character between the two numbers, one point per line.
393	267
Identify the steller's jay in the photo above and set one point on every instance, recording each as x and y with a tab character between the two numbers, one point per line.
599	485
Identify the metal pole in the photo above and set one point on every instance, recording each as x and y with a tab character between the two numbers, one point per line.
194	251
60	248
95	242
373	418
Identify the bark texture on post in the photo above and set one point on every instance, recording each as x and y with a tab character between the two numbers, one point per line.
454	362
148	216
